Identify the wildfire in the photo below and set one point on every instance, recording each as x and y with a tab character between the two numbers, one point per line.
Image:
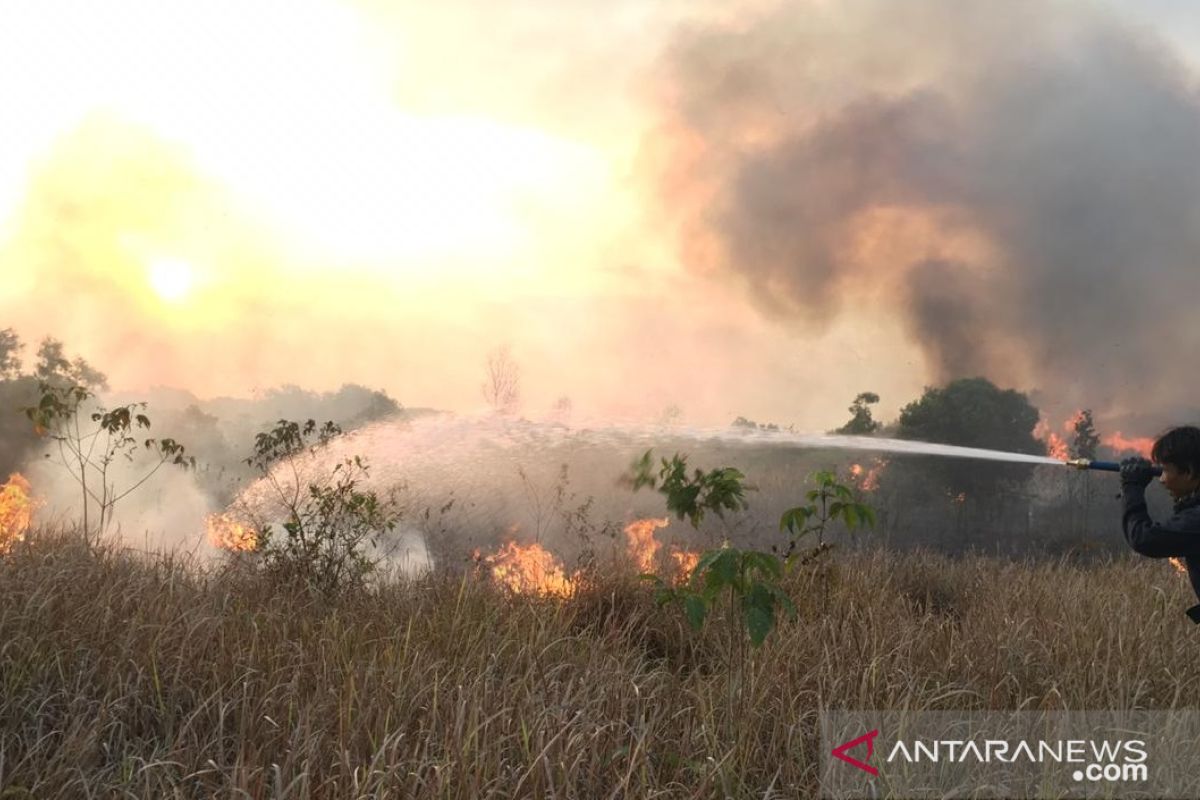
644	548
16	511
1178	564
1056	446
685	562
1134	444
228	533
867	478
528	569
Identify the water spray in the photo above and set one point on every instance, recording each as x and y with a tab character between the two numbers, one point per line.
1103	466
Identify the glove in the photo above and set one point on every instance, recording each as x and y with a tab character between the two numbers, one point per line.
1136	472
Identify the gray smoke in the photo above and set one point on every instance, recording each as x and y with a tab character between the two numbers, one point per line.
1062	138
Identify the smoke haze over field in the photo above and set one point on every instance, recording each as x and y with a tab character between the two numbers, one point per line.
1018	181
759	209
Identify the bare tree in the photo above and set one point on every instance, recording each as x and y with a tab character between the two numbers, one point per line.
502	385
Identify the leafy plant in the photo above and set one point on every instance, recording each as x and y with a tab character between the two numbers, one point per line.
330	521
751	580
88	452
830	501
717	490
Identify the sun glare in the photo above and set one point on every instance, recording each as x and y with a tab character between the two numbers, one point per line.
171	278
300	124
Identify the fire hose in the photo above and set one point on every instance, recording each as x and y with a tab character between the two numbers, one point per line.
1103	466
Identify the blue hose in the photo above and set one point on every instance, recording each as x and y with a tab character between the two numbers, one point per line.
1113	466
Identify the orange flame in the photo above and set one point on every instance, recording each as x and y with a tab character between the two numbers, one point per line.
643	547
1134	444
867	479
228	533
685	562
528	569
1056	446
16	511
1179	566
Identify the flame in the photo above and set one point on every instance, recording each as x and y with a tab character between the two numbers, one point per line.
1135	444
685	562
528	569
959	498
16	510
1179	566
867	479
1056	446
227	533
643	547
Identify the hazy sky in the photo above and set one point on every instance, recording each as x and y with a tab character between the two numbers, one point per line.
702	204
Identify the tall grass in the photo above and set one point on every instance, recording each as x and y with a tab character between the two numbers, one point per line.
127	676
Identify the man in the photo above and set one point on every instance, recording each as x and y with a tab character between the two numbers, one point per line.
1178	451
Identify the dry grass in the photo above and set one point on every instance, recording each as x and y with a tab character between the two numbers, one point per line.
125	677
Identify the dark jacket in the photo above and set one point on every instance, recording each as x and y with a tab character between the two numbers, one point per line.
1179	536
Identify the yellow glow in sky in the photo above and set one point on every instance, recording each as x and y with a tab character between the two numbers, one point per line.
288	106
171	278
388	190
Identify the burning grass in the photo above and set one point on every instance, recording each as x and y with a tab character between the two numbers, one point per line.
531	569
152	678
226	532
17	504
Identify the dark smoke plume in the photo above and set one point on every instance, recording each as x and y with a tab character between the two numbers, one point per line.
1019	181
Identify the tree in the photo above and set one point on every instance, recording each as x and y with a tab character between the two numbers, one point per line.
861	423
379	405
16	391
749	424
1086	439
10	354
502	383
88	453
53	367
973	412
330	520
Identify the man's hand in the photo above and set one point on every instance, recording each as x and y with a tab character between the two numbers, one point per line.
1136	472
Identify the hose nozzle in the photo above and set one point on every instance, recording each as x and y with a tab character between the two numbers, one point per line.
1103	466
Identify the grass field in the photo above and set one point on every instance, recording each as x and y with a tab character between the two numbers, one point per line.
135	676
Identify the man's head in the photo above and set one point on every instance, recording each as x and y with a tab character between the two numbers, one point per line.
1178	451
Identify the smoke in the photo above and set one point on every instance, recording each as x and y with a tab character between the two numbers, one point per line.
164	514
1020	182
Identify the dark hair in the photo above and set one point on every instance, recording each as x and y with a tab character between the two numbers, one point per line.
1179	447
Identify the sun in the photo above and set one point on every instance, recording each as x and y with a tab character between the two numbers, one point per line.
171	278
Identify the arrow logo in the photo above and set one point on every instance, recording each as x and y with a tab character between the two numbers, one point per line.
869	738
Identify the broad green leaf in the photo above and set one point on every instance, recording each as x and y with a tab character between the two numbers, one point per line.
695	609
759	614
